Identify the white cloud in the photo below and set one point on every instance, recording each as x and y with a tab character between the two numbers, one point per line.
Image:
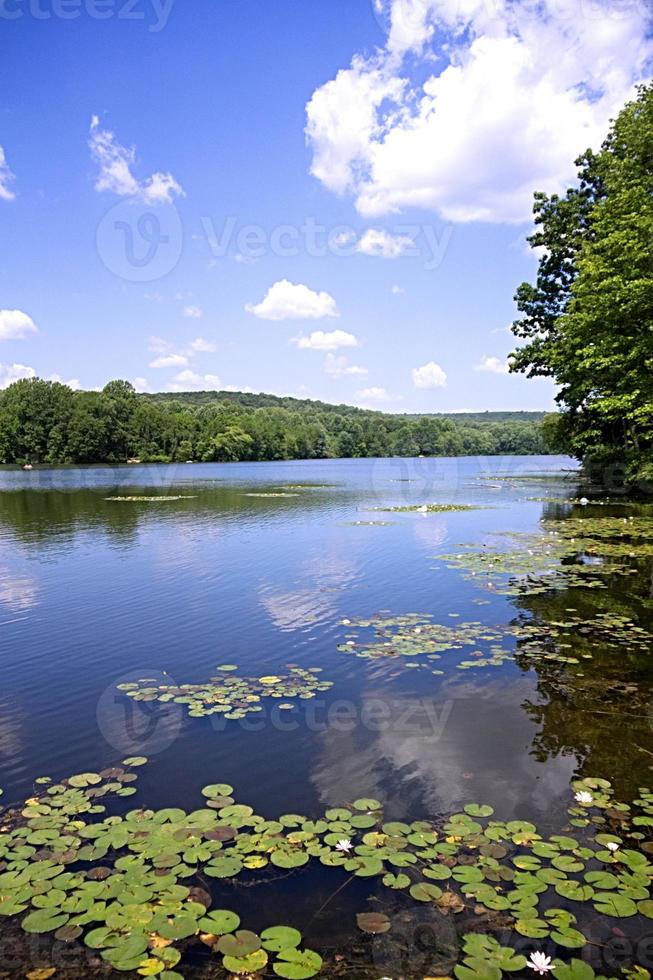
194	312
159	345
374	394
339	367
493	365
429	375
14	372
73	383
141	384
293	301
173	356
169	360
319	340
398	290
201	346
190	379
15	325
343	238
495	101
376	241
343	123
116	161
6	178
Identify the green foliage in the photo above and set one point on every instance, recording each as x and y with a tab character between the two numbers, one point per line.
588	320
131	886
47	422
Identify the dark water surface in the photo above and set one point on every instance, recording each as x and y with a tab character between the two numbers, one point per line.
95	591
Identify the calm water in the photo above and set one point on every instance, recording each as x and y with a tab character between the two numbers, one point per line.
94	592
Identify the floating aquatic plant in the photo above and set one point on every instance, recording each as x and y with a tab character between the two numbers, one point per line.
415	635
277	493
158	499
428	508
231	696
129	886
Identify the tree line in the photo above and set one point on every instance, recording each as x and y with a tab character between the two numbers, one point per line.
587	321
48	422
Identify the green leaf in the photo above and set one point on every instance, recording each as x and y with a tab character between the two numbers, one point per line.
423	892
277	938
297	964
219	922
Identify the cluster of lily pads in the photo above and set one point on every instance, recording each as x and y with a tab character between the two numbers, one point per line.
130	887
540	563
415	635
606	537
427	508
141	498
576	552
271	493
231	696
550	639
640	528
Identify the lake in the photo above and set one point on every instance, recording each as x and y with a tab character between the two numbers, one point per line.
116	580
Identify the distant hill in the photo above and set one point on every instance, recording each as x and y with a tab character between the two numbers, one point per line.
263	400
44	421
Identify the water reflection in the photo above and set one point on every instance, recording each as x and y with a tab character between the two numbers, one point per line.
426	756
18	592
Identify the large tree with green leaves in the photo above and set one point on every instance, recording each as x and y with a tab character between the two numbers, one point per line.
588	319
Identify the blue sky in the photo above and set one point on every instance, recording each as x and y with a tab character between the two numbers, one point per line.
327	199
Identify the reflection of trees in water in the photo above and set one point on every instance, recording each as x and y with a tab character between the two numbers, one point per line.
599	710
39	516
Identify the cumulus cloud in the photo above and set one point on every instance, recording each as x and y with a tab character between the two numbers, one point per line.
429	375
339	367
191	379
293	301
471	106
169	360
376	241
374	394
493	365
115	164
173	355
73	383
194	312
14	372
6	178
16	325
319	340
141	384
398	290
201	346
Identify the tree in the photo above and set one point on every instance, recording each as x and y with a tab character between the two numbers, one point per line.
32	420
48	422
589	318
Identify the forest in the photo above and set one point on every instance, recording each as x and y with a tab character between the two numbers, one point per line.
587	321
47	422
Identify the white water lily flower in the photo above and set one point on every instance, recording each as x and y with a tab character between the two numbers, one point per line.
611	846
540	962
344	845
584	797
